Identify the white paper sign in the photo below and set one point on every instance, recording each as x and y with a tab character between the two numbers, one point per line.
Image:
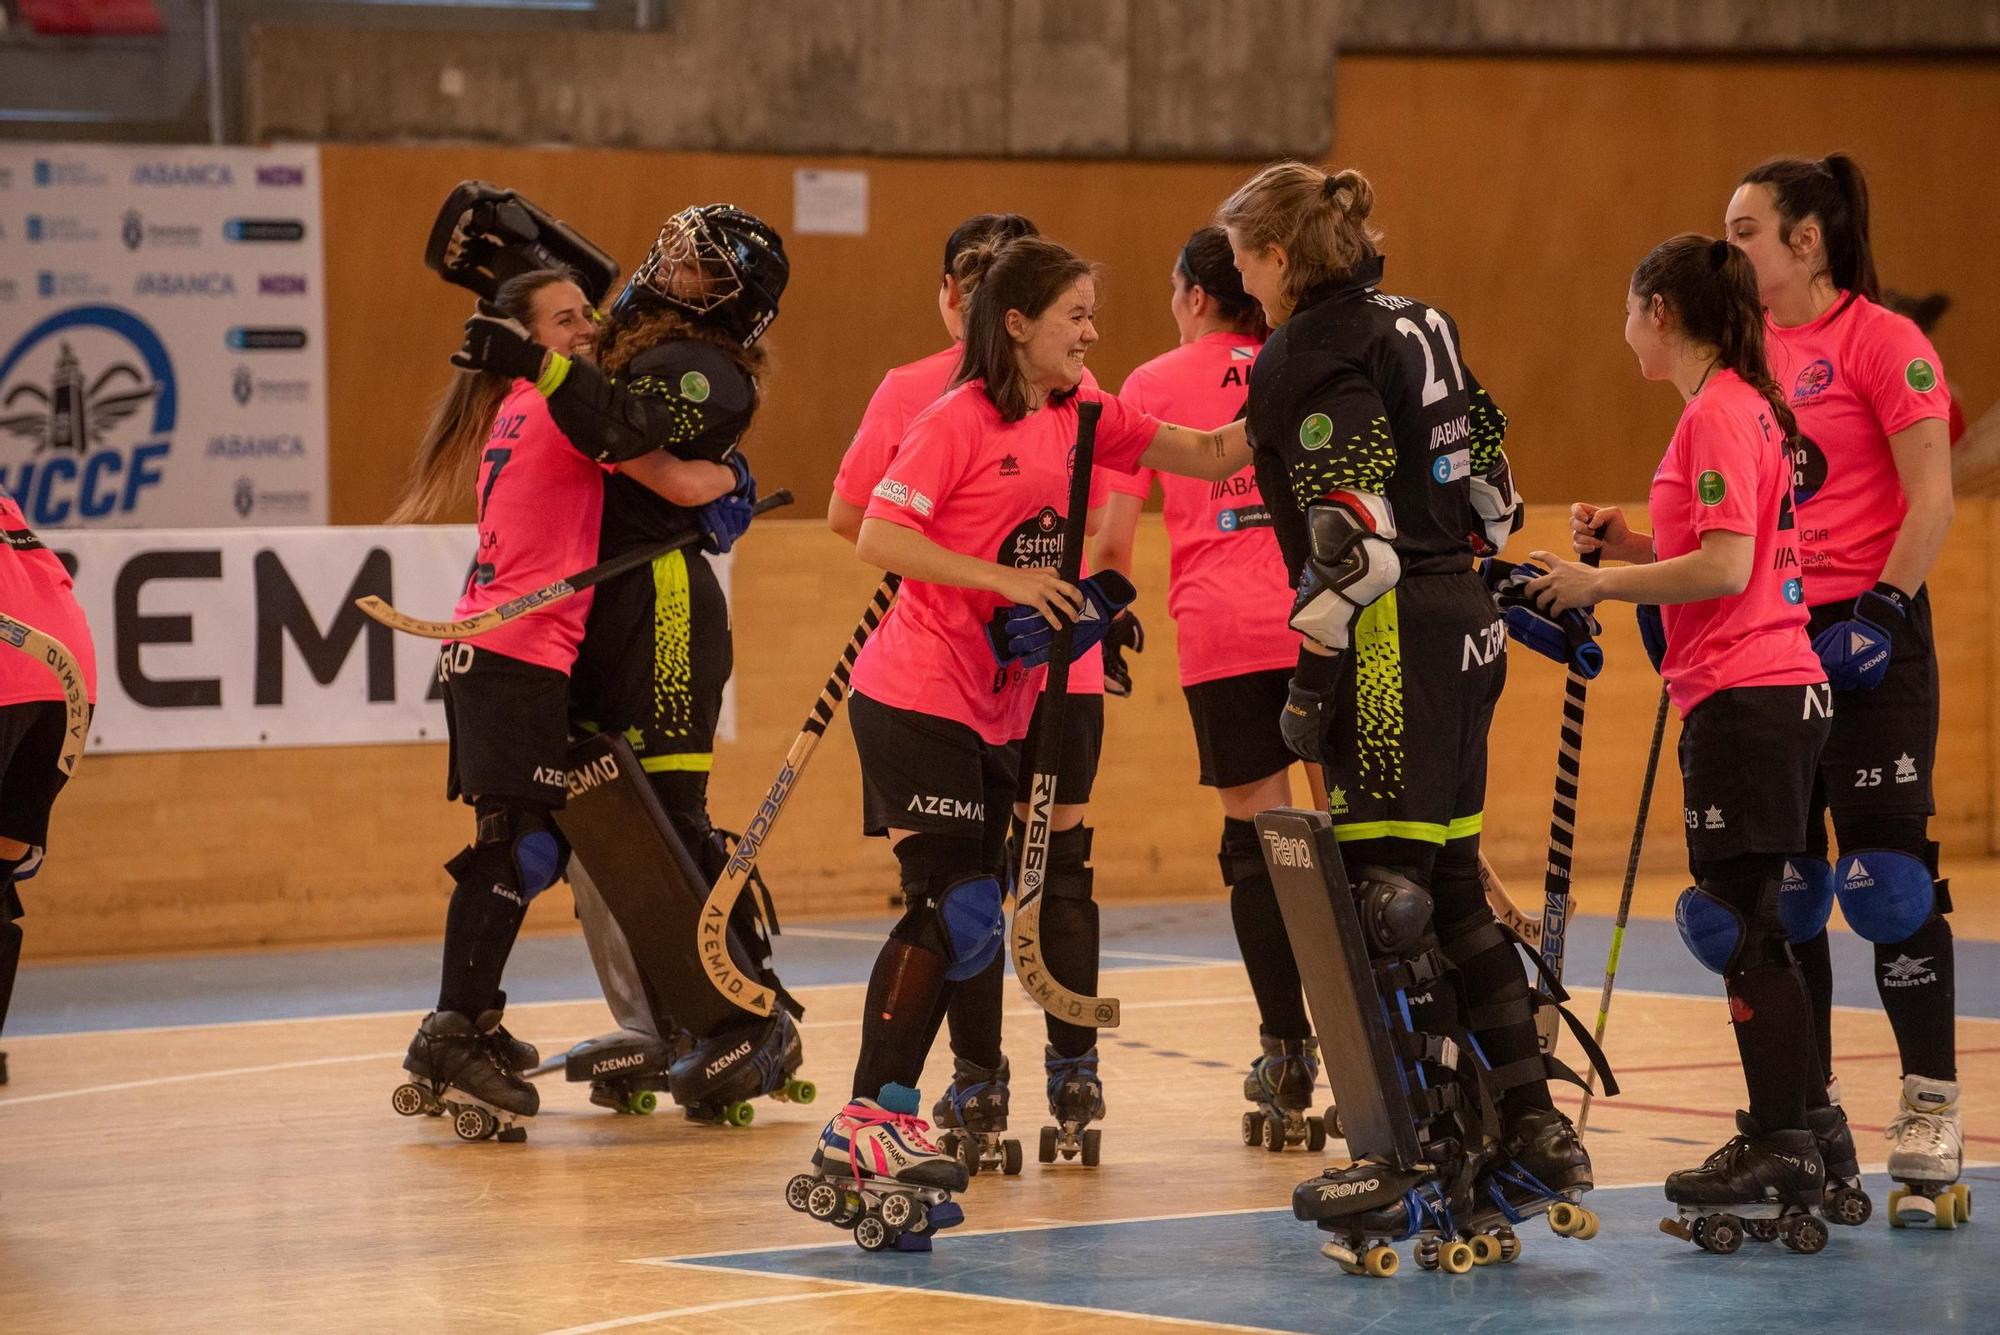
829	203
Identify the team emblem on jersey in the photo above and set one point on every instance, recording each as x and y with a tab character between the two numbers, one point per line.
694	387
1316	431
1711	488
1795	592
1814	381
1034	542
1920	376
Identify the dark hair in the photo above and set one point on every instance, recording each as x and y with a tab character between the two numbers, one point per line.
1025	274
1206	263
447	464
636	329
1833	191
1321	220
1711	288
985	227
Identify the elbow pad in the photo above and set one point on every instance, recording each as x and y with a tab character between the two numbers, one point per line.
1353	562
1498	507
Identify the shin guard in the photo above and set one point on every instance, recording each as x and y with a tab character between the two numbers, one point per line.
1070	931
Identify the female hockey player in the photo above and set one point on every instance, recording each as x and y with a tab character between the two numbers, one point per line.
1873	472
35	591
973	1111
1228	594
1722	564
1379	456
969	512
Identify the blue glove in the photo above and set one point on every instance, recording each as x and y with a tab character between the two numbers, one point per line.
1570	638
1029	636
724	519
1856	652
1652	633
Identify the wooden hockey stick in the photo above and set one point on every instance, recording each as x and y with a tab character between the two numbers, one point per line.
472	627
54	655
713	940
1625	902
1029	966
1503	905
1562	833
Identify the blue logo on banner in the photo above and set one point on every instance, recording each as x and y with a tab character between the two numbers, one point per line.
73	416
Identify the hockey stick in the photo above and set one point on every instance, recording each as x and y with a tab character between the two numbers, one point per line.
713	940
473	627
1625	902
1029	966
1562	831
56	657
1503	905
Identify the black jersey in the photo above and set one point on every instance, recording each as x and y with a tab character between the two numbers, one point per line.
1364	391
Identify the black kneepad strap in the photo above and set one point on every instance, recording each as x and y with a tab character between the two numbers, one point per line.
516	840
1240	856
1070	874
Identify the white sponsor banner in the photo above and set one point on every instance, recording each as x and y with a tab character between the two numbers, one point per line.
227	638
162	336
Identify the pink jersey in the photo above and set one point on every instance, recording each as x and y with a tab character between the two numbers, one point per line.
1856	376
899	400
35	589
1228	591
541	510
996	490
1726	469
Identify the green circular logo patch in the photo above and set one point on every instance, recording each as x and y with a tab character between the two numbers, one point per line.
1920	375
1316	431
694	387
1710	487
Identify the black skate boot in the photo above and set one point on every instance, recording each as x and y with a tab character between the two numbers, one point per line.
1366	1206
1281	1083
1777	1179
1076	1099
1847	1202
1539	1167
512	1054
456	1072
718	1076
972	1115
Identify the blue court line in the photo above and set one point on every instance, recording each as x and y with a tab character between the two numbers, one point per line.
301	984
1262	1270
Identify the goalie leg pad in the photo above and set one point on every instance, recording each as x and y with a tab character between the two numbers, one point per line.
1884	895
1805	898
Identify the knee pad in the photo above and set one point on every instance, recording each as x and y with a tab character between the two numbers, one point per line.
1805	897
969	911
516	843
1885	895
953	907
1721	935
1240	856
1395	911
1070	874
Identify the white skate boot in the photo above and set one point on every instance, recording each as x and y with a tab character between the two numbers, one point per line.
1928	1152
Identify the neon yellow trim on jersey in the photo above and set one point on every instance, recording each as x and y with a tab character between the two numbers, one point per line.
690	762
1377	642
673	648
1423	831
552	375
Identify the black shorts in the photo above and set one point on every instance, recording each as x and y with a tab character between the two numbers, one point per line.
509	726
1879	757
929	774
656	654
1236	727
1748	756
1083	744
1414	701
31	740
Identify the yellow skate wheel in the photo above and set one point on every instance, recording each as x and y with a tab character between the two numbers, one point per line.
1896	1195
1963	1195
1564	1219
1455	1258
1589	1228
738	1114
1947	1210
1485	1249
1381	1261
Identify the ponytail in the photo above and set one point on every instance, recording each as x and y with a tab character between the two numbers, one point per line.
1321	221
1205	262
1834	192
1711	288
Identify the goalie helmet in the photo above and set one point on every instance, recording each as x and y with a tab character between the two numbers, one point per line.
741	259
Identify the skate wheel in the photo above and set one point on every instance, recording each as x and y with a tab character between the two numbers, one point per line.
1381	1261
800	1091
1046	1150
1564	1219
871	1234
798	1191
1274	1135
1426	1252
1092	1142
1253	1128
1485	1248
407	1100
1454	1257
473	1124
898	1210
642	1102
1806	1235
1510	1246
1724	1234
822	1200
849	1210
1849	1207
1315	1134
1896	1197
739	1114
1763	1230
1947	1211
1334	1127
1590	1225
1962	1194
1010	1158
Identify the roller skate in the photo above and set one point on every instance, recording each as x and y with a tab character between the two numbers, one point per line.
1539	1168
512	1054
626	1070
715	1079
1076	1099
877	1172
1281	1084
1367	1207
1847	1201
1927	1157
972	1114
1775	1180
455	1072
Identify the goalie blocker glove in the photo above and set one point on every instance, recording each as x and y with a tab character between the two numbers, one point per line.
1353	562
1856	651
495	343
1026	637
1569	637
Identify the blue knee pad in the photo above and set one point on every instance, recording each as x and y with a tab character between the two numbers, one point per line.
1713	930
1805	897
537	853
1884	895
970	913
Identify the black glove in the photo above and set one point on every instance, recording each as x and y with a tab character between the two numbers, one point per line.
500	345
1125	633
1308	716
